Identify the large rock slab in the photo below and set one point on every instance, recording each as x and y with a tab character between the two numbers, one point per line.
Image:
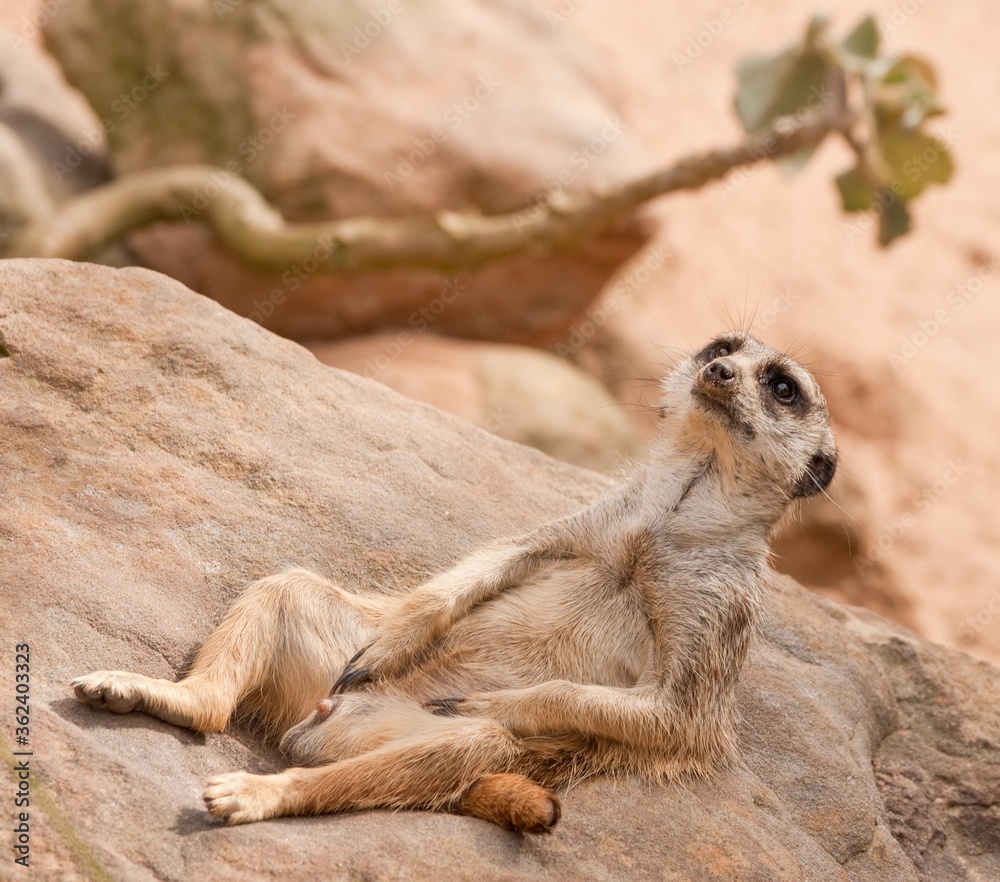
158	452
516	392
361	108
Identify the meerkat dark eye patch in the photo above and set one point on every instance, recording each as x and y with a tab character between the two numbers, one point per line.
781	392
818	475
719	349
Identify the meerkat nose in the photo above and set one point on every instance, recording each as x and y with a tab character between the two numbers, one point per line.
326	707
720	373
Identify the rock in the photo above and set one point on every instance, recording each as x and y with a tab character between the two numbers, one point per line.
159	452
51	143
333	111
515	392
835	546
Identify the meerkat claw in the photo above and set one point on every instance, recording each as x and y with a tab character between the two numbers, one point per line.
351	675
444	707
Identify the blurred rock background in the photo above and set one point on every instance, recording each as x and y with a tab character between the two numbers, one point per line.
524	99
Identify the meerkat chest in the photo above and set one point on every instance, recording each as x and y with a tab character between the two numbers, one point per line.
566	624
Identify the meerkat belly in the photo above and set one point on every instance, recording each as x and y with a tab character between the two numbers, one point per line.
563	625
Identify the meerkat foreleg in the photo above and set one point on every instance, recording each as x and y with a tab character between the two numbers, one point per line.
426	613
683	708
558	707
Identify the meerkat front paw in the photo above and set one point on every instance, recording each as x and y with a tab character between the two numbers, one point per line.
517	710
386	657
405	635
240	798
116	691
490	706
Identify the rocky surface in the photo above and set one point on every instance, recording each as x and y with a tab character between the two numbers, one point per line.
158	452
516	392
360	108
895	336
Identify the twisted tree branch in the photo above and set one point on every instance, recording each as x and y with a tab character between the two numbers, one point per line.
258	235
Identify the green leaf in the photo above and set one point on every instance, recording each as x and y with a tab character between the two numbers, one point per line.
915	68
761	79
774	86
906	84
862	42
856	193
914	158
894	220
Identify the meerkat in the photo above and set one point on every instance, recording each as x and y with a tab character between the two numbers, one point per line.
608	641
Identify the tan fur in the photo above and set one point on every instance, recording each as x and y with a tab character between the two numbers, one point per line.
607	641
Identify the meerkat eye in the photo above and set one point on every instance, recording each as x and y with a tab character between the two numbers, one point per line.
784	389
717	350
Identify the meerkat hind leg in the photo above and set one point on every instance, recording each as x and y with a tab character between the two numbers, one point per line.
123	692
470	768
278	650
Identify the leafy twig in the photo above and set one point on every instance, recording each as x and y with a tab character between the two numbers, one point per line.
257	233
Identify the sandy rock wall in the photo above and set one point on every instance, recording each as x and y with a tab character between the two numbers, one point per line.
897	338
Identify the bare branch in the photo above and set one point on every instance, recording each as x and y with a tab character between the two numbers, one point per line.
258	235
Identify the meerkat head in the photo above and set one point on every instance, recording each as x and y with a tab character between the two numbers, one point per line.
753	407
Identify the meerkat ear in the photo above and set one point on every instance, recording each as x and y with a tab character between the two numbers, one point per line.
819	473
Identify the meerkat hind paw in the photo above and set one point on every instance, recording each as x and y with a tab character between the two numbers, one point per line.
115	691
240	798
